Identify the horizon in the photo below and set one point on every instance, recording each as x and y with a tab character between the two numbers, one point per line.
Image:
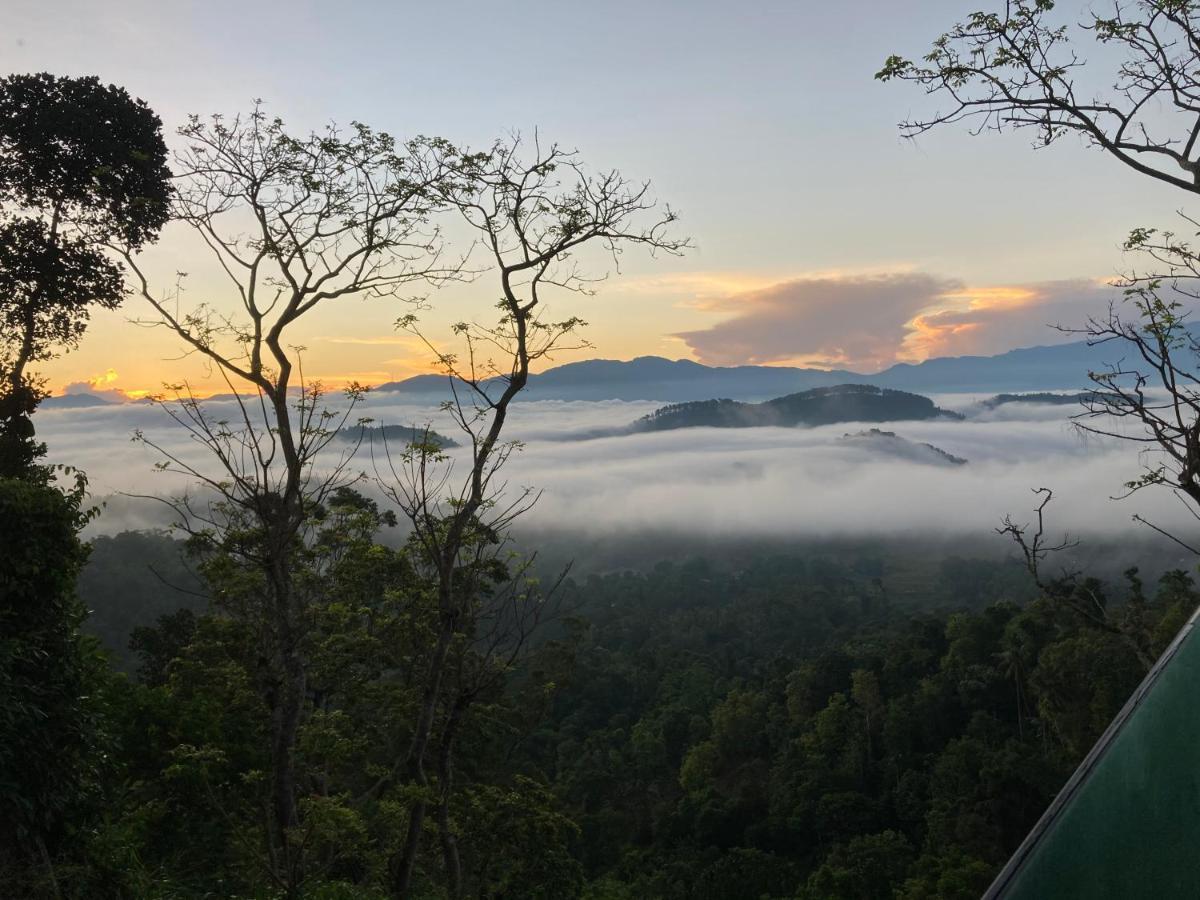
98	388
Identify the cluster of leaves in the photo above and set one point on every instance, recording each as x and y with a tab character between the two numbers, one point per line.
50	725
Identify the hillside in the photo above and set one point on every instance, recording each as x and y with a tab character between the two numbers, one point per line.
891	444
818	406
1045	397
647	378
396	436
74	401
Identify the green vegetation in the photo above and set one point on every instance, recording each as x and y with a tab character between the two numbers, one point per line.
67	189
780	728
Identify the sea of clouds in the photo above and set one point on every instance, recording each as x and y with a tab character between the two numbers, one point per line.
775	483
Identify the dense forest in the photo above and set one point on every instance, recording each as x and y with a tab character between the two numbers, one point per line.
805	724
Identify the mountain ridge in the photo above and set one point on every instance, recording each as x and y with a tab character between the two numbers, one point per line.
655	378
658	379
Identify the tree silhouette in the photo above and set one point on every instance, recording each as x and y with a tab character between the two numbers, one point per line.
82	167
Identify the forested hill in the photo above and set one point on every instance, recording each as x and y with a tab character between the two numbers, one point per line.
397	436
819	406
892	444
681	380
1052	399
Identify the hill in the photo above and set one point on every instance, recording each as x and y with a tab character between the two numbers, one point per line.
891	444
646	378
397	436
818	406
1045	397
75	401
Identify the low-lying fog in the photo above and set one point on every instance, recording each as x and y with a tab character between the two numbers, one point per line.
758	482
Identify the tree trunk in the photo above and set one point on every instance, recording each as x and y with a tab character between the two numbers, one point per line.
449	840
402	870
286	715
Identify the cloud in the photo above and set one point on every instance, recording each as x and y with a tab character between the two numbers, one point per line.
868	322
1000	319
841	321
696	287
762	483
386	341
101	386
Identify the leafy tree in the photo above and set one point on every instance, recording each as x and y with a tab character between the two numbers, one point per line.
534	210
865	868
48	721
520	843
695	730
82	166
332	216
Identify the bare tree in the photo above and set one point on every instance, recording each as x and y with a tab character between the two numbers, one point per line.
1155	385
1019	67
1083	597
534	209
294	222
1034	545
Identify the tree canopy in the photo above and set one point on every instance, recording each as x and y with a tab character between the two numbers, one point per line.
82	167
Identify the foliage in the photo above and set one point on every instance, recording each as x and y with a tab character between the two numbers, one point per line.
1020	67
82	166
49	725
767	722
86	150
779	729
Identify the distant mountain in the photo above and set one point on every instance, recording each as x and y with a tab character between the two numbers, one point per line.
1057	367
395	436
890	443
75	401
818	406
646	378
1060	366
1028	369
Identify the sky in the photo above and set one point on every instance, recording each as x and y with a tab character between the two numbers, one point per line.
821	236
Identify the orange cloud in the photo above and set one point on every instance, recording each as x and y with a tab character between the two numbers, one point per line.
868	322
995	319
831	321
100	386
102	381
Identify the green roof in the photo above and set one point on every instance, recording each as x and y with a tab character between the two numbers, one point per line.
1127	823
